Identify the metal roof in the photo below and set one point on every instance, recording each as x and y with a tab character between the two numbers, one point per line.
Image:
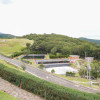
35	55
74	55
55	65
52	60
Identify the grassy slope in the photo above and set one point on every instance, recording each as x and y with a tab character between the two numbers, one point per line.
10	65
5	96
80	80
12	45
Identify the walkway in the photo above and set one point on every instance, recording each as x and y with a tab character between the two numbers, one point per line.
16	91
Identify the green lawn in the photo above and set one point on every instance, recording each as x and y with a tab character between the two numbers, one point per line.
80	80
13	45
5	96
10	65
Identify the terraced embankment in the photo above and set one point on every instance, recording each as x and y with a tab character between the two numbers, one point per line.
49	77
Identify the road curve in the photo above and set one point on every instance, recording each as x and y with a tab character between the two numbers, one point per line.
49	77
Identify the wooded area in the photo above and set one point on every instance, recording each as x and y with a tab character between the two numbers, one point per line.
61	46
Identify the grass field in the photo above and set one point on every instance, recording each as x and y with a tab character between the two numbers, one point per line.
10	65
5	96
9	46
80	80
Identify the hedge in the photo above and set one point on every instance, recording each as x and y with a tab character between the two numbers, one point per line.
58	56
15	54
40	87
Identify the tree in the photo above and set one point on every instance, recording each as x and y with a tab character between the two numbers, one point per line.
54	50
28	45
95	71
65	50
52	71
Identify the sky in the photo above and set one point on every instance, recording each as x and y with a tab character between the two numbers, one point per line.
74	18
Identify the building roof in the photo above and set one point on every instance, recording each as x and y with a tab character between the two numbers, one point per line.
35	55
89	57
74	55
52	60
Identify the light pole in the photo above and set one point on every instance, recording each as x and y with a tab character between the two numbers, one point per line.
89	69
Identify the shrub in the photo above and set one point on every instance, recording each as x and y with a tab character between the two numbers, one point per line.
23	67
41	66
15	54
70	74
83	72
38	86
58	55
25	61
52	71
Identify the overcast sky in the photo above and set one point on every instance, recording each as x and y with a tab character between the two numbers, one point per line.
75	18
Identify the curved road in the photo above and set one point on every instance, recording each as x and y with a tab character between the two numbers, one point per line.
49	77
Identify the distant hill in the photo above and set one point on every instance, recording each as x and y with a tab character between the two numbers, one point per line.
61	45
90	40
3	35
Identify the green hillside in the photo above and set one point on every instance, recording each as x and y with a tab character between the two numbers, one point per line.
90	40
62	45
10	46
2	35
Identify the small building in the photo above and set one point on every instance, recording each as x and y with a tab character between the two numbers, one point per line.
89	59
74	57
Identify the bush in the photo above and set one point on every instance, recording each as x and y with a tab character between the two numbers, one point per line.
58	55
52	71
15	54
70	74
83	72
23	67
38	86
25	61
41	66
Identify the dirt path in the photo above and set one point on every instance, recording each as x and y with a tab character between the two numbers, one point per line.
16	91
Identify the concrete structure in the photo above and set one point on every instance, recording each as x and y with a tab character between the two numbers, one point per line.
34	56
89	59
74	57
50	61
56	65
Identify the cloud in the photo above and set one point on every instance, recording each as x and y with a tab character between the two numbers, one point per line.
75	18
6	1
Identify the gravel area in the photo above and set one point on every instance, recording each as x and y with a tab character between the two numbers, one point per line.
62	69
16	91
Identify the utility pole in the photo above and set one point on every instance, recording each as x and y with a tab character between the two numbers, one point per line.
87	66
87	73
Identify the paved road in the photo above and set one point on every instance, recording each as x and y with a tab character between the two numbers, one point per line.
49	77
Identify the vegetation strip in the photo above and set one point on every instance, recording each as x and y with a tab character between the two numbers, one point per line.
43	88
5	96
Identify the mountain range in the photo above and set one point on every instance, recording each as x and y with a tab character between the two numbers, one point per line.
90	40
3	35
